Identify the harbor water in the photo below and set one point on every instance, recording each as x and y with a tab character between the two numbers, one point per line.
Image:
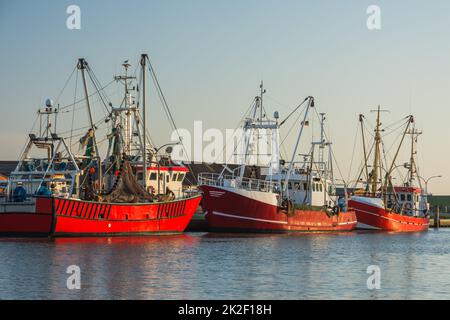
229	266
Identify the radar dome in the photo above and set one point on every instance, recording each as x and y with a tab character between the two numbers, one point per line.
276	115
49	103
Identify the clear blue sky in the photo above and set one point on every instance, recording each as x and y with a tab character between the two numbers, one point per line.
211	55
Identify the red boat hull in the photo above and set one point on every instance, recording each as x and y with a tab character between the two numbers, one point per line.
229	211
373	217
67	217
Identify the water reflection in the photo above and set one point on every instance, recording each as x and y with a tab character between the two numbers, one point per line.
229	266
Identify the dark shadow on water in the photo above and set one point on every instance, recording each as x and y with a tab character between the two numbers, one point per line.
273	235
138	240
24	240
99	240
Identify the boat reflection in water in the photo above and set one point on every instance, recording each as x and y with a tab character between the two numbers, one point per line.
124	267
229	266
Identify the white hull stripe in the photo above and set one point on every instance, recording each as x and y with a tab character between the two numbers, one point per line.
216	194
391	219
247	218
268	221
347	223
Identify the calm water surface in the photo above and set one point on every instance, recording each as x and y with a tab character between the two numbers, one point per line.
230	266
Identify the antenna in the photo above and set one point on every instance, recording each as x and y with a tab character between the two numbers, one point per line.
128	107
263	91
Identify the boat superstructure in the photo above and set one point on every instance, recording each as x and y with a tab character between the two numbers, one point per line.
292	196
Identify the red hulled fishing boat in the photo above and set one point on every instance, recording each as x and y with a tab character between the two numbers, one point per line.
228	209
131	191
54	216
383	206
295	196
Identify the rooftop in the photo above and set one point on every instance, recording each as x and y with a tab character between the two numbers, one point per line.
6	167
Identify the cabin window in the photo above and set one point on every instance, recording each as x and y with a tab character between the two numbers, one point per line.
297	186
174	177
305	186
409	197
161	176
320	187
181	177
153	176
402	197
167	178
140	176
314	187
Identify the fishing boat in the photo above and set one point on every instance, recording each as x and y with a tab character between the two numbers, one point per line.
133	190
380	204
295	196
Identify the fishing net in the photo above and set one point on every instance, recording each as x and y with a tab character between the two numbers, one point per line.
126	188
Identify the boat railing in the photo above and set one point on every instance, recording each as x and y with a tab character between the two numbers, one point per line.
307	167
231	181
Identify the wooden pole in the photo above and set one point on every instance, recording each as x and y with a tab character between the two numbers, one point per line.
437	219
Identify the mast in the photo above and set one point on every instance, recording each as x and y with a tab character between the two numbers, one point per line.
261	86
248	126
82	64
127	101
252	127
261	115
144	121
361	117
412	165
291	164
376	160
325	167
128	108
322	138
